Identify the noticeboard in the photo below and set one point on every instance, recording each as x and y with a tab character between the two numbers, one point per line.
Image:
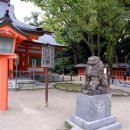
16	61
47	59
34	63
37	58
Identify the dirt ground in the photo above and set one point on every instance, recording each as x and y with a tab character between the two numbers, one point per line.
26	110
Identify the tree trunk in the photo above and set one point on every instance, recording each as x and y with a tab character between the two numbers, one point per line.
75	59
89	43
75	55
92	51
110	57
90	48
99	47
109	74
126	58
116	58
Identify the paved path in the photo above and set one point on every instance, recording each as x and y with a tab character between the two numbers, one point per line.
26	111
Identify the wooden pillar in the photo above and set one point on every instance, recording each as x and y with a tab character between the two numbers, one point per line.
11	66
46	86
22	61
116	73
3	82
26	58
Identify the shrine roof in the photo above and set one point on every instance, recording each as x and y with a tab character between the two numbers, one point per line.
47	39
21	25
120	65
10	24
81	65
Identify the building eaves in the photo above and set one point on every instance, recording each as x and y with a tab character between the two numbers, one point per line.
5	6
47	39
6	20
81	65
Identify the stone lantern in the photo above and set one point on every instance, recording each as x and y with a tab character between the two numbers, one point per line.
9	37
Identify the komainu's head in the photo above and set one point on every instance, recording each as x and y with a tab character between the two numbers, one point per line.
93	60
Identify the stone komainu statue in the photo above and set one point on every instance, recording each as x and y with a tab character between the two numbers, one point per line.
95	79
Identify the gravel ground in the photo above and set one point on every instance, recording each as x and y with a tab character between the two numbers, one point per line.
26	110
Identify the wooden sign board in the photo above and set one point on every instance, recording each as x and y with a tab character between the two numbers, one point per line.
34	63
47	59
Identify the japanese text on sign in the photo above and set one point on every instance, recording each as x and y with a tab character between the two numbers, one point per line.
47	56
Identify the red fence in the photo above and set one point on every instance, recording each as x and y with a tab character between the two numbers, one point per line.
118	73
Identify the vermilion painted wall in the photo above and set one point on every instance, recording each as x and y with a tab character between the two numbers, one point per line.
81	70
118	73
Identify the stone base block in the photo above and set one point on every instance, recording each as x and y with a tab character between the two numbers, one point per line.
108	123
94	113
114	126
99	123
91	108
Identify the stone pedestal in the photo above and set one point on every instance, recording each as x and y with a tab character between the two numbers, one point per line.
94	113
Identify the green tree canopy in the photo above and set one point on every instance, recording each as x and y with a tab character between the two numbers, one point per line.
98	23
87	20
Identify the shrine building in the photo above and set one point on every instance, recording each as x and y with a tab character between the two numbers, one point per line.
31	47
117	70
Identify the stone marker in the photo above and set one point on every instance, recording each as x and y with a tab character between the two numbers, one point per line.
93	104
